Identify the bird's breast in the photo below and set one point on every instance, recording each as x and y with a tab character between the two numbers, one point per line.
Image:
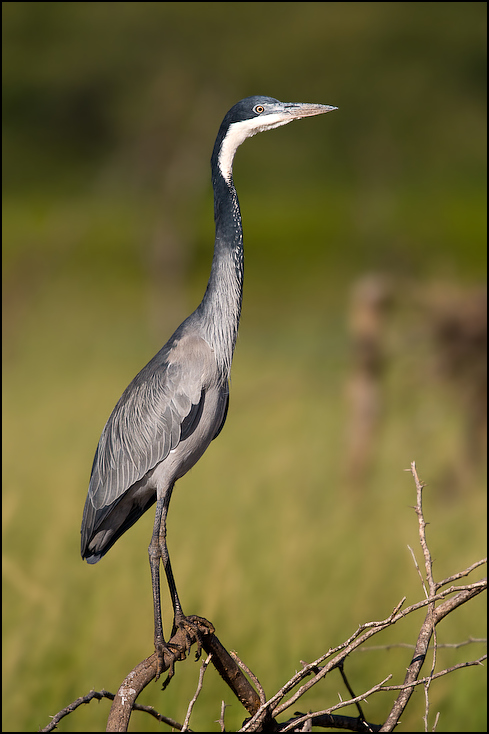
189	450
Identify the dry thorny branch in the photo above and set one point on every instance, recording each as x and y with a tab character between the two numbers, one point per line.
440	599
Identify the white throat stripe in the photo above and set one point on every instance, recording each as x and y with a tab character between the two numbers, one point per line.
239	131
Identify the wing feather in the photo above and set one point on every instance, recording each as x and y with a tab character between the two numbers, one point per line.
160	407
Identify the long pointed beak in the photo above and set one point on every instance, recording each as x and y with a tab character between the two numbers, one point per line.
296	110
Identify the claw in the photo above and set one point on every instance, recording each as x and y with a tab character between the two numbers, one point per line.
192	634
173	652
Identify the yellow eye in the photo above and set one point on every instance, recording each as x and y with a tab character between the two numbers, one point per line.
258	109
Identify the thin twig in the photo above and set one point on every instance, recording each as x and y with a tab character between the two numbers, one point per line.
220	721
191	705
410	646
99	695
429	579
440	674
340	705
341	668
422	530
416	565
461	574
251	675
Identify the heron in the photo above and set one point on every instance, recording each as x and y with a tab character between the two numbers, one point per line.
178	403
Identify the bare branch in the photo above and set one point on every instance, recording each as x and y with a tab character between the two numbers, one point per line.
229	671
462	597
98	695
357	724
359	637
433	617
131	687
368	630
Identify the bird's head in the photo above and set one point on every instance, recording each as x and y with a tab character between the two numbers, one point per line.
262	113
253	115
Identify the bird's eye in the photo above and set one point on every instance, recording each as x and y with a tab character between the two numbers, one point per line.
258	109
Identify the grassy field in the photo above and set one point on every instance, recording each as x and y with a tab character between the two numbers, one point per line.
268	541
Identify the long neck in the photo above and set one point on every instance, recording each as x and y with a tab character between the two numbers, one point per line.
221	305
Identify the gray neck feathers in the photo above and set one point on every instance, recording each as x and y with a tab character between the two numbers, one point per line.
221	306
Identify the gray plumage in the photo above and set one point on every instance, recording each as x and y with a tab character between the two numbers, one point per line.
172	410
169	413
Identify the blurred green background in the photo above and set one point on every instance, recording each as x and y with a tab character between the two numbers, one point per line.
365	269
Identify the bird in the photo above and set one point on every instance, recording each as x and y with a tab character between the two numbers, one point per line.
177	404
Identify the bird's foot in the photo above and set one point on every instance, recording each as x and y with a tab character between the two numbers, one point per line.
186	631
193	628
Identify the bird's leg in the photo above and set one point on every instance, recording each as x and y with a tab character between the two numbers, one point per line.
157	552
180	620
154	553
192	626
178	615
